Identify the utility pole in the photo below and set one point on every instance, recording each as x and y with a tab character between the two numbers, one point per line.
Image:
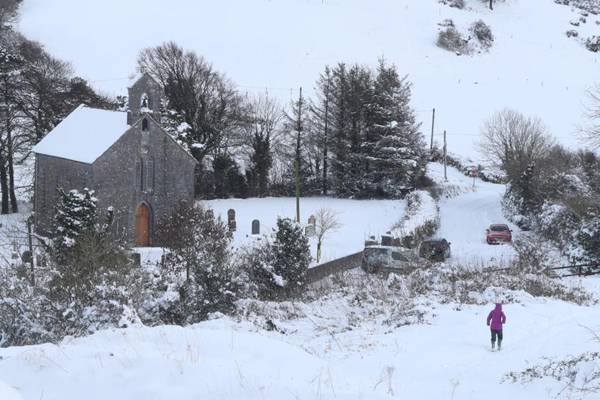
445	153
491	4
297	162
432	128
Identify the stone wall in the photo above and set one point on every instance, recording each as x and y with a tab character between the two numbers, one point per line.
52	173
324	270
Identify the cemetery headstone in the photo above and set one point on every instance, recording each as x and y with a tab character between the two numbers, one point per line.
256	227
231	220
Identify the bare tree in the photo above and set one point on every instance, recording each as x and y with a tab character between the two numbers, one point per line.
326	222
514	141
198	97
591	133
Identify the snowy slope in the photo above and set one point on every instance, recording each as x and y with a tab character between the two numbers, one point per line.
532	67
448	358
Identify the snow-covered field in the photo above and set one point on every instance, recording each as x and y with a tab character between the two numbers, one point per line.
323	355
280	45
358	218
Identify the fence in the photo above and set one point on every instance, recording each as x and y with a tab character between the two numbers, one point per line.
324	270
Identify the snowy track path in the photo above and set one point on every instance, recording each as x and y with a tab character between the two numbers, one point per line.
465	217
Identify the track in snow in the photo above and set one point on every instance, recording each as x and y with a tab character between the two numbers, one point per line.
465	217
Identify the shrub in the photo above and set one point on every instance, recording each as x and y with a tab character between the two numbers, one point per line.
199	257
593	44
277	266
451	39
483	33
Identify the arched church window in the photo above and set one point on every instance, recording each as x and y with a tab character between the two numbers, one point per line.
145	124
145	102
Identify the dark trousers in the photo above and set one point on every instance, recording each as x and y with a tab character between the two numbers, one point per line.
496	333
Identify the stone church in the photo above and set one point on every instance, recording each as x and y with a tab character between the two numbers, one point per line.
130	162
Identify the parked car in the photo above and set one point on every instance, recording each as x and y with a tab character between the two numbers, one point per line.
377	257
498	233
435	249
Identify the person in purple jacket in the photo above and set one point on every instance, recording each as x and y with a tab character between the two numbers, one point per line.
495	320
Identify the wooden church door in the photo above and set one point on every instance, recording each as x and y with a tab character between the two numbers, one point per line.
142	225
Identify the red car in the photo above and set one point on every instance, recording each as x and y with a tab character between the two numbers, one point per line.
498	233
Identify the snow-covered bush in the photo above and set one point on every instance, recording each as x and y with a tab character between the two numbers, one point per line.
593	44
93	288
483	33
451	39
22	321
535	254
580	374
277	265
199	252
460	4
588	237
420	221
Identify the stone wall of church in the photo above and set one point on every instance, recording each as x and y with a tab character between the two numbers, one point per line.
52	173
143	167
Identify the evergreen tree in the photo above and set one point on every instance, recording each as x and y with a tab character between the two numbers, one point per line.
322	123
75	215
227	179
200	251
291	255
396	157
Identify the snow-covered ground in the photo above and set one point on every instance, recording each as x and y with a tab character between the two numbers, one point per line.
358	218
280	45
466	213
323	355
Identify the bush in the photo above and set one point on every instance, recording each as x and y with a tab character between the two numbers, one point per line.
460	4
451	39
593	44
277	266
198	262
483	33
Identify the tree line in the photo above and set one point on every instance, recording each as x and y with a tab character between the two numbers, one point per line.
37	91
357	138
552	190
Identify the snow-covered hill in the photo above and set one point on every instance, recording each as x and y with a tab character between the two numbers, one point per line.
336	348
532	66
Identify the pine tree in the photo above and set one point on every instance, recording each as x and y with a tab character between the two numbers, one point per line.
291	255
75	215
396	150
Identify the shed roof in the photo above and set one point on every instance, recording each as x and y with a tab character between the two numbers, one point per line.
84	135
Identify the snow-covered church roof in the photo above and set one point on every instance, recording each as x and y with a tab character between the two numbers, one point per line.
84	135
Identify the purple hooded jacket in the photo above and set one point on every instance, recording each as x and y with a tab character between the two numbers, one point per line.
497	317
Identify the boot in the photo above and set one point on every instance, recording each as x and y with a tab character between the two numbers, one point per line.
493	345
499	345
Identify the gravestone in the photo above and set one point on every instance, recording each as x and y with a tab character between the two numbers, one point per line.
256	227
231	220
310	229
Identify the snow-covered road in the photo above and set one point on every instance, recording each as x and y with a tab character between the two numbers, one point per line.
466	214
